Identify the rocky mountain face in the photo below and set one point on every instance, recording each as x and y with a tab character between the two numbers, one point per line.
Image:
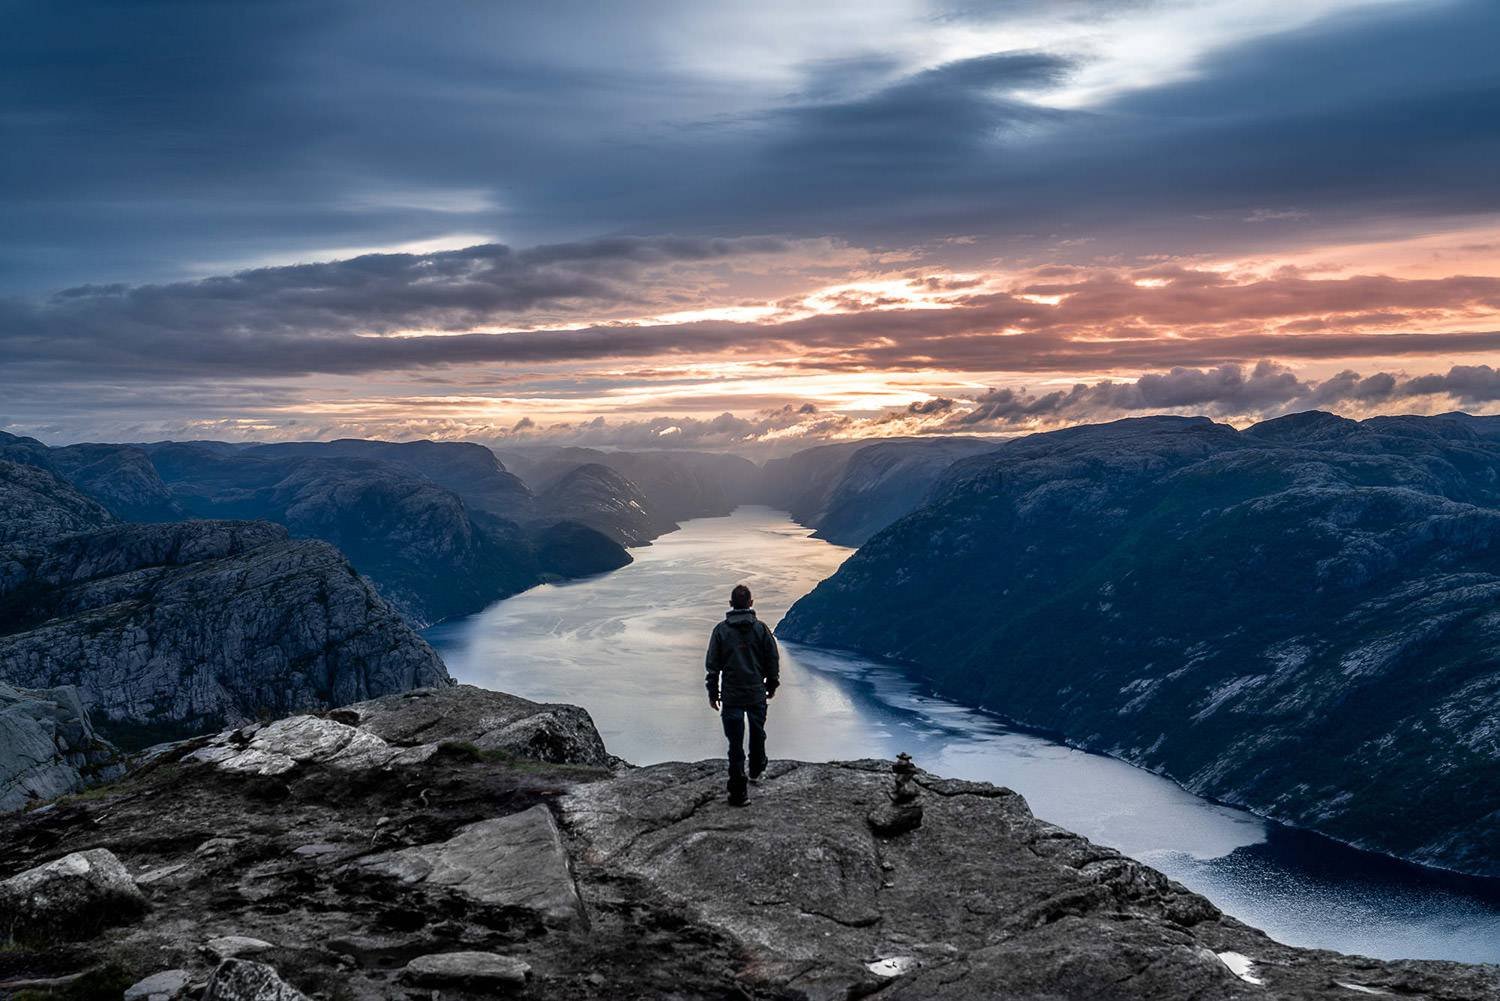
598	496
174	628
1300	618
472	845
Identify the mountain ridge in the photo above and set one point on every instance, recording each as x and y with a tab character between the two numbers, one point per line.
1291	619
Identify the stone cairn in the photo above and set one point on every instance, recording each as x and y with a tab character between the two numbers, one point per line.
903	811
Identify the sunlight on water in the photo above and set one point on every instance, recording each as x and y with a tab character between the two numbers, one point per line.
629	645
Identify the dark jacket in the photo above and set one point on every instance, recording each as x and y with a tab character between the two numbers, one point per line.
742	652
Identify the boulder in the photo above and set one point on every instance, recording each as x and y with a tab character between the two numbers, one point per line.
235	946
73	897
516	862
244	980
478	971
168	985
281	746
491	721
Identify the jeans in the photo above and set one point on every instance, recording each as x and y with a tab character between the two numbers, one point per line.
734	719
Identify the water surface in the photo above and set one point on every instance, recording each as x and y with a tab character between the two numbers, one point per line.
628	646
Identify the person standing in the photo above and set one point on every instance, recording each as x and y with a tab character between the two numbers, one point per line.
743	673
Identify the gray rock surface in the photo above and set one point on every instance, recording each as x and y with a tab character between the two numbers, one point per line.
167	985
511	863
477	970
491	721
402	730
48	747
982	901
70	898
223	947
650	887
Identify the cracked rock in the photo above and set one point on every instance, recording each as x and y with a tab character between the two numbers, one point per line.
244	980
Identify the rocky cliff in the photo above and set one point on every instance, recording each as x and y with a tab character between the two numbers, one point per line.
172	628
1299	618
471	844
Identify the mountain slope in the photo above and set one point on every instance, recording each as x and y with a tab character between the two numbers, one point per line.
598	496
883	482
430	552
1300	618
471	471
677	486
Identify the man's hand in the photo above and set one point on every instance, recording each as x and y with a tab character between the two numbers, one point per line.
713	703
770	695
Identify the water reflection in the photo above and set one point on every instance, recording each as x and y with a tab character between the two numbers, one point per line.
629	647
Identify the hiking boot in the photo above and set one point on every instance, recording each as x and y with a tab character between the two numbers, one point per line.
737	792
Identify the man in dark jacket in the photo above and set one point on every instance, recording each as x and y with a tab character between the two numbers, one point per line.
744	669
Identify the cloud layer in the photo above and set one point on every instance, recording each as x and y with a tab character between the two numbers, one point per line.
684	222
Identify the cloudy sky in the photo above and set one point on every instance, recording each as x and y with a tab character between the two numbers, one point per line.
746	225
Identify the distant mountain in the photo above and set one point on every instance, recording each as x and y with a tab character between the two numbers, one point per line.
851	490
1486	425
596	495
469	470
120	477
167	629
442	529
676	486
1302	618
801	483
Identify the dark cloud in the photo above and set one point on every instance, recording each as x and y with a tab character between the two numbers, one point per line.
149	138
932	118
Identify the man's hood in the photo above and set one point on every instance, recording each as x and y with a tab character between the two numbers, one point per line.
740	616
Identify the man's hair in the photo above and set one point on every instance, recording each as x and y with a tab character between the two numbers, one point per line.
739	597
